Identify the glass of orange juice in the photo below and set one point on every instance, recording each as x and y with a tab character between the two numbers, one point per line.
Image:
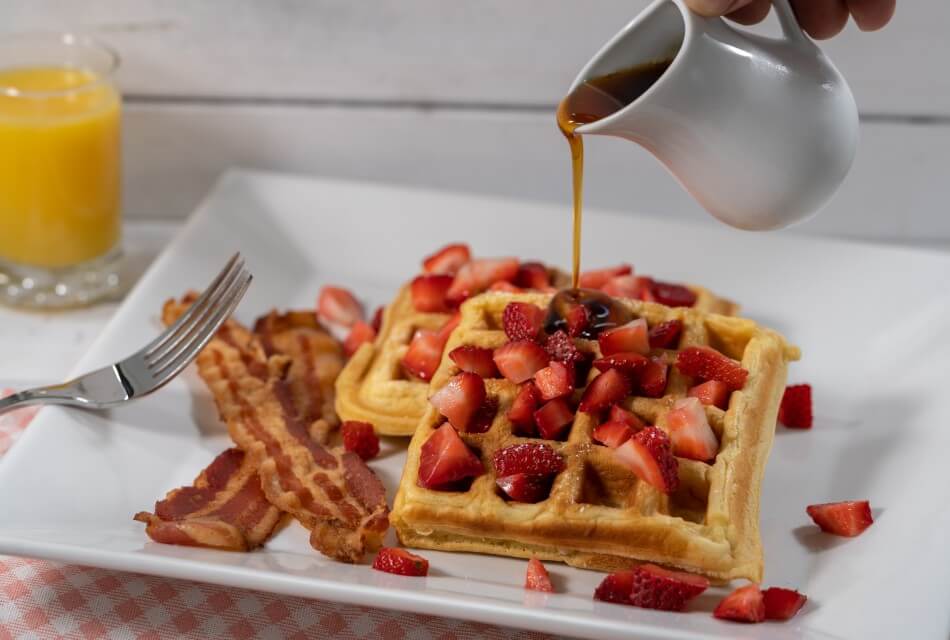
59	171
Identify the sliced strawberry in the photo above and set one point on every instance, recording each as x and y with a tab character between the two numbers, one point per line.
444	459
577	319
360	334
561	347
377	322
644	286
708	364
519	361
537	578
424	354
597	278
612	434
690	432
652	378
476	276
616	587
428	293
621	415
623	287
532	275
483	418
553	419
460	398
625	361
555	380
672	295
505	287
847	519
745	604
477	360
666	334
649	455
449	259
400	562
795	410
531	458
631	337
360	438
522	320
338	305
712	393
521	413
782	604
610	387
658	588
445	331
525	487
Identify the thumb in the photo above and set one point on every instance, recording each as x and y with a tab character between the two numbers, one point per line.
712	8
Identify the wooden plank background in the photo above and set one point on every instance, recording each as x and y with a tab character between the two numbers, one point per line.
460	95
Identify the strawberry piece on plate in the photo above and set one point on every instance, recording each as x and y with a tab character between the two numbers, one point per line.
339	306
424	353
522	320
554	381
631	337
690	431
597	278
537	578
672	295
649	455
445	459
519	361
621	415
666	334
477	360
795	410
658	588
525	487
377	321
533	275
360	438
616	587
460	398
553	419
847	519
521	413
745	604
708	364
429	293
532	458
476	276
612	434
626	362
449	259
400	562
782	604
712	393
610	387
360	334
652	378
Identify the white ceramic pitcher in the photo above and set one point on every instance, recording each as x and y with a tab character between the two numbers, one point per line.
760	131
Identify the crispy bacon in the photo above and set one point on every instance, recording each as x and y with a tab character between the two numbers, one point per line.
225	508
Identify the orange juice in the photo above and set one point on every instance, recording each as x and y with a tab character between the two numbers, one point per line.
59	166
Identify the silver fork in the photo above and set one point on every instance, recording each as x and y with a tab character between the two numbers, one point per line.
152	366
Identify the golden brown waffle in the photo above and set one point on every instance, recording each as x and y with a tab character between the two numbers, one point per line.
598	514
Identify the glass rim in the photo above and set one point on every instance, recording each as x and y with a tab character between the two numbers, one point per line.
69	39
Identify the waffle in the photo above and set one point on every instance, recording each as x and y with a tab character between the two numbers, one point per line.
598	514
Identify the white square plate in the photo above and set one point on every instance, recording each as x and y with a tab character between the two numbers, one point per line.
872	322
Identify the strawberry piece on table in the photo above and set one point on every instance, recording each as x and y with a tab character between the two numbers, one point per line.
621	415
649	455
360	334
597	278
449	259
525	487
505	287
476	276
712	393
522	320
460	398
666	334
672	295
377	321
554	381
444	459
847	519
537	578
553	419
745	604
533	275
521	413
531	458
429	293
424	353
708	364
610	387
690	431
612	434
477	360
400	562
360	438
631	337
623	287
653	377
626	362
658	588
339	306
795	410
782	604
616	587
519	361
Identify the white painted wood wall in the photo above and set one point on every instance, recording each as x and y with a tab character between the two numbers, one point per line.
460	95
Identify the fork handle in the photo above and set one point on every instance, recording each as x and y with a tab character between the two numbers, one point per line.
54	394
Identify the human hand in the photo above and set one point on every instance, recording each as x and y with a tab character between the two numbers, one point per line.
819	18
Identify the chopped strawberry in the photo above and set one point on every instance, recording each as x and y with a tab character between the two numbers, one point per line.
610	387
623	287
476	276
842	518
644	286
795	410
505	287
712	393
522	320
782	604
690	431
521	413
338	305
400	562
377	322
672	295
360	334
446	330
658	588
525	487
460	398
484	416
652	378
444	459
533	275
708	364
531	458
597	278
561	347
631	337
519	361
666	334
612	434
577	319
555	380
625	361
428	293
537	578
649	455
621	415
360	438
616	587
424	354
477	360
553	419
449	259
745	604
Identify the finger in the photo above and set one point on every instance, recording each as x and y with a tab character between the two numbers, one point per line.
752	13
821	18
713	8
871	15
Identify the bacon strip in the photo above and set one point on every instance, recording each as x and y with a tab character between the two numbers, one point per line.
225	508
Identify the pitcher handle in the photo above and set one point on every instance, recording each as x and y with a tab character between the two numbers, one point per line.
789	23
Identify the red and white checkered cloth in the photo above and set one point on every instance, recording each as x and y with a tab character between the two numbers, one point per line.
40	599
